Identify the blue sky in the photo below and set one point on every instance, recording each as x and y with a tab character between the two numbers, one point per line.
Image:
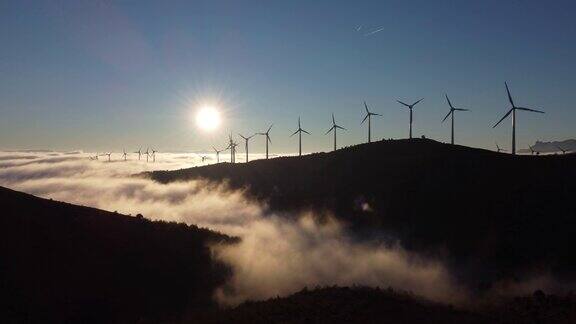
103	75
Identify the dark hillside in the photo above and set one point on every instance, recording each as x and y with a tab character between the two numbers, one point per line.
374	305
65	263
494	214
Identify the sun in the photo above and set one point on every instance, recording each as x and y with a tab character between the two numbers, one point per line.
208	118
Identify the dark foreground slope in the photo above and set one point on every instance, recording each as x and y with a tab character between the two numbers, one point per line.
369	305
66	263
495	215
347	305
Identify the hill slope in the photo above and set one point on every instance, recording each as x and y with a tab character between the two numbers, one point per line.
66	263
374	305
495	214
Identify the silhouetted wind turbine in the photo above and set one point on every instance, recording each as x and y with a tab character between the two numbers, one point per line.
513	111
246	139
451	112
368	116
217	154
267	134
299	131
410	107
147	154
532	150
139	153
232	146
108	155
154	155
124	155
498	149
561	149
334	128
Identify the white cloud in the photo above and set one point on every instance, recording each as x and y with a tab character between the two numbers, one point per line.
276	256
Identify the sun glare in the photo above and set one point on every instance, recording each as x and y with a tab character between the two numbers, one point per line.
208	118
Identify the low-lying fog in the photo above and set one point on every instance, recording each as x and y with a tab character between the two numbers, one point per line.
276	256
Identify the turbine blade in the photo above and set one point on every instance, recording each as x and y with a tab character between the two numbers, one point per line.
375	114
268	138
501	119
269	128
414	104
333	121
305	131
508	92
296	132
447	115
449	103
366	107
405	104
461	109
366	117
532	110
342	128
331	128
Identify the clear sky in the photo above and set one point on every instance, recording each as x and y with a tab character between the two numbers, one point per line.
103	75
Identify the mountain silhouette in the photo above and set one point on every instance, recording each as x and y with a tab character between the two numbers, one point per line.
492	216
66	263
375	305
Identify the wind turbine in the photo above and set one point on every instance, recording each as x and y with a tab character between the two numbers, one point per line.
299	131
513	111
232	146
124	155
246	139
498	149
154	155
139	153
108	155
451	113
532	150
561	149
147	154
368	116
410	107
217	154
267	134
334	128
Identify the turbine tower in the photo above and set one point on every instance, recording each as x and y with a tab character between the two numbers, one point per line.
232	146
246	139
267	134
334	128
368	116
108	155
139	153
410	107
451	113
299	131
560	148
217	154
513	111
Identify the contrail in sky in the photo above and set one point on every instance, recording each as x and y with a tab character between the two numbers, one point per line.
374	31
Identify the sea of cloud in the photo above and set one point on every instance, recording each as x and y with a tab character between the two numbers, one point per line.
276	255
